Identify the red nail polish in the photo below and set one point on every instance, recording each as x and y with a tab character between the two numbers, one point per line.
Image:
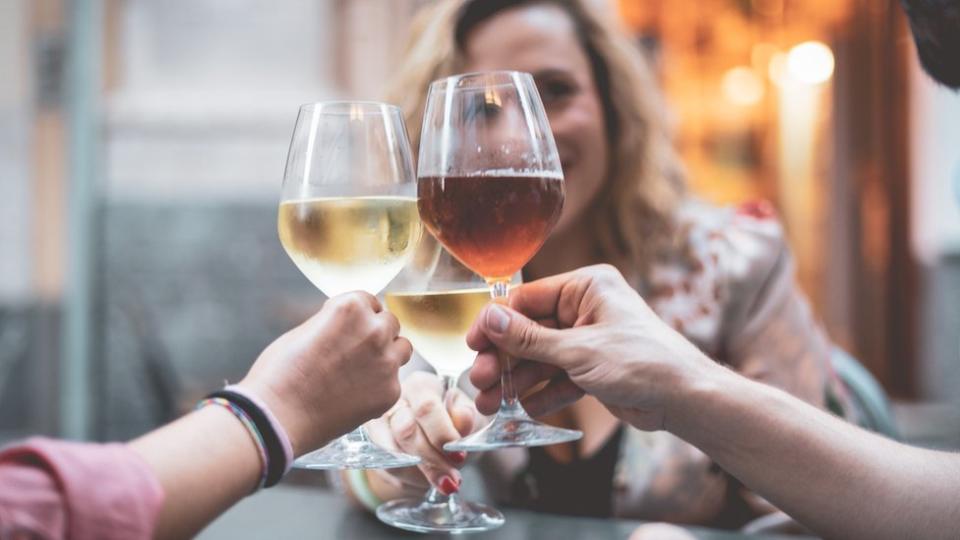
448	486
457	457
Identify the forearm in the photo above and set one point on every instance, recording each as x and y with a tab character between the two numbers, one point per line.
835	478
205	461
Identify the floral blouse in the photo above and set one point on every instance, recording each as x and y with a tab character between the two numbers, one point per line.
733	294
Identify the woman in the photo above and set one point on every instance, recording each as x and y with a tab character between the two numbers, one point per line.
723	278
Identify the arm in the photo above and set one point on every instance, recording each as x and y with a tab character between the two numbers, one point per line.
321	379
833	477
205	462
62	489
740	301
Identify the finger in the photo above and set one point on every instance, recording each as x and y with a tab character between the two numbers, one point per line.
558	393
462	412
526	376
518	336
426	402
561	296
478	341
388	323
488	401
401	350
379	432
541	298
548	322
485	372
361	297
411	439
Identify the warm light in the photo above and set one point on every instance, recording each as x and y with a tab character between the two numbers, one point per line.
761	54
777	69
741	86
810	63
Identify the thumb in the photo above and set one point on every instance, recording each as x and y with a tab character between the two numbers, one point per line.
521	337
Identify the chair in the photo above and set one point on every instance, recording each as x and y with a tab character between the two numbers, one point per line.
867	394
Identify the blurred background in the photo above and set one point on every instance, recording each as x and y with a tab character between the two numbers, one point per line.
142	145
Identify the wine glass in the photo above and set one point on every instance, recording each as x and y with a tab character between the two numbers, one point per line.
436	299
348	220
490	188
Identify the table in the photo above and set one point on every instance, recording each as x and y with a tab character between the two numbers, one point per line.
294	512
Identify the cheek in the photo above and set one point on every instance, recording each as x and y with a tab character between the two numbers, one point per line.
582	140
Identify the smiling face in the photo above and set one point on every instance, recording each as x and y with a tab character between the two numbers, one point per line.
541	39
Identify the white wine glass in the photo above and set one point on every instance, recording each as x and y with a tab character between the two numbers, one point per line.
490	188
348	220
436	299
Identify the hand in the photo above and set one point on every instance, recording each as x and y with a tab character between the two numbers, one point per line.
600	337
333	372
420	424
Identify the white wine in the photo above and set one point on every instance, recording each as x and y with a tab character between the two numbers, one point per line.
347	244
436	323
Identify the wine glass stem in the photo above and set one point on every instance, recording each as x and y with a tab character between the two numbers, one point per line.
358	435
509	401
435	496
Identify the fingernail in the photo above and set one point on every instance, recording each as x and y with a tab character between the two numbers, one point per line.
457	457
498	319
448	486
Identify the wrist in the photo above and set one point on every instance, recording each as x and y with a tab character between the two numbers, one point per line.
699	384
291	420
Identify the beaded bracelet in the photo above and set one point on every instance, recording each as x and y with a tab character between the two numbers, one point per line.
250	427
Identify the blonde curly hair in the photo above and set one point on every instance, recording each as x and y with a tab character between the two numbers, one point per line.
634	212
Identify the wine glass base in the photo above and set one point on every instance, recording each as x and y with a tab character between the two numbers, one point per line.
508	430
347	453
451	515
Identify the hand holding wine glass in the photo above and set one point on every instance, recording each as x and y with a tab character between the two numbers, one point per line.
332	372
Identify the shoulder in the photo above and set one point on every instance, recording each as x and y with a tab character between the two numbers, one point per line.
746	236
723	262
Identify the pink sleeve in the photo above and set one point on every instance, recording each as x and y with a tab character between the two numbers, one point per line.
58	489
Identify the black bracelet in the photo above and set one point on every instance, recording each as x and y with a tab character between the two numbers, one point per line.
276	458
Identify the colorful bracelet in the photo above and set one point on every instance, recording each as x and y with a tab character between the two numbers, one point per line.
274	423
276	443
250	427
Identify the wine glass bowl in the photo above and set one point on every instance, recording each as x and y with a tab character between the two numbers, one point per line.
348	220
436	299
490	188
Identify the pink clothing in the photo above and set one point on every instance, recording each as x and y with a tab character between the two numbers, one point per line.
59	489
